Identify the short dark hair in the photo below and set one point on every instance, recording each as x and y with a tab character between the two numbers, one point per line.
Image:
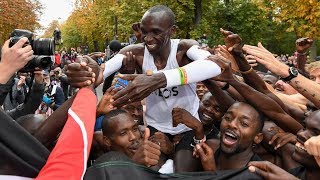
108	118
167	10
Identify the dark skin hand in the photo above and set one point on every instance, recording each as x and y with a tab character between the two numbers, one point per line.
302	46
252	78
182	116
206	155
267	170
83	72
140	86
105	104
166	145
282	138
260	101
148	153
223	99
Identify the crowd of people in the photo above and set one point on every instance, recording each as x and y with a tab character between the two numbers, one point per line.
171	108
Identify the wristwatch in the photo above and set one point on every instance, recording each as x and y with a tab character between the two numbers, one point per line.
293	72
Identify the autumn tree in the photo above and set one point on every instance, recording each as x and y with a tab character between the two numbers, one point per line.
301	16
18	14
48	33
99	21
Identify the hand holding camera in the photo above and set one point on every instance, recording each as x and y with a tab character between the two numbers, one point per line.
14	58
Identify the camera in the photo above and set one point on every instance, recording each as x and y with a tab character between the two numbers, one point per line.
43	48
42	62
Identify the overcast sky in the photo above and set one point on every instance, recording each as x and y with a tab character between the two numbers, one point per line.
55	10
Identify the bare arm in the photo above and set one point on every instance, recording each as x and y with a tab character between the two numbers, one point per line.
303	85
223	99
234	43
259	100
268	106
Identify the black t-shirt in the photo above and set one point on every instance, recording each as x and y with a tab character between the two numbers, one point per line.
298	172
254	157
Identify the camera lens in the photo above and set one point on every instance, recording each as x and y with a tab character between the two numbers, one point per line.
43	62
43	46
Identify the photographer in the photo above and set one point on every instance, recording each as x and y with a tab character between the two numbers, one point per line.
33	101
54	96
17	94
12	60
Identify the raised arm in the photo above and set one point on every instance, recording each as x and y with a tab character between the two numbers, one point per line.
303	85
234	46
223	99
302	47
259	100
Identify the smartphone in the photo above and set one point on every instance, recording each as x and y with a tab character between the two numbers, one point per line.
121	83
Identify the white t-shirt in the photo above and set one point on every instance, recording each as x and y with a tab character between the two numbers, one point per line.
159	104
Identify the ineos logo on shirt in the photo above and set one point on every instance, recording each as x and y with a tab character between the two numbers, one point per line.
167	92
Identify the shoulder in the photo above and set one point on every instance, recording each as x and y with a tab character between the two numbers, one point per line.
135	48
185	44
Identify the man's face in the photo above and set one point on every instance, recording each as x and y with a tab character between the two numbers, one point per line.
201	90
270	80
125	136
315	75
155	31
135	110
239	127
285	88
312	129
209	110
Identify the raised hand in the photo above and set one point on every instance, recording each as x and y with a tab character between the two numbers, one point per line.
232	41
303	44
14	58
267	170
140	86
225	65
223	51
206	155
148	153
266	58
83	72
105	104
182	116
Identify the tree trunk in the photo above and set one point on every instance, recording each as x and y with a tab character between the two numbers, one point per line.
197	12
96	46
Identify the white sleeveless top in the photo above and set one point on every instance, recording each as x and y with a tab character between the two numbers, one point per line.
159	104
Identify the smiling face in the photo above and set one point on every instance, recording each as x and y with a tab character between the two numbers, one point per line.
156	29
209	109
123	134
312	129
240	128
135	109
285	88
201	89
